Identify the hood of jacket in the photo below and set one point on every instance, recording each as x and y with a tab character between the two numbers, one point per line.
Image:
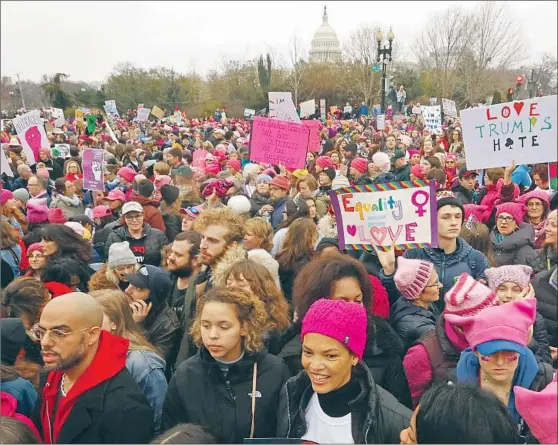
234	254
109	360
524	235
142	200
386	341
403	307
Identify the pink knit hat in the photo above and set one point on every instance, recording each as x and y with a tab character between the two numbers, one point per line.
514	209
161	180
340	320
5	195
539	410
360	165
516	274
324	162
468	297
55	216
538	194
282	182
127	174
35	247
412	276
509	322
37	210
234	164
416	170
43	171
212	169
116	195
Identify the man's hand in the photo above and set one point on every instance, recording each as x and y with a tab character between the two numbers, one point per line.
387	259
140	310
508	172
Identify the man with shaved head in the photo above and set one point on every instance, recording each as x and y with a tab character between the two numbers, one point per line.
87	396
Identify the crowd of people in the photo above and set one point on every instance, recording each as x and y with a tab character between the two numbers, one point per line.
205	298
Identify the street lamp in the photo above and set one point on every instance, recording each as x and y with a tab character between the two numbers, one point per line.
385	55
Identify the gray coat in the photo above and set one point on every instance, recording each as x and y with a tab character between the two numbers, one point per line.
515	248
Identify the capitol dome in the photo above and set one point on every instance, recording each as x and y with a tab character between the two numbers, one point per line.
325	44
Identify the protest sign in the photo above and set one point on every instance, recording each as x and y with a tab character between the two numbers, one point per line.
275	142
178	117
157	112
64	149
449	107
314	142
281	106
322	108
58	115
308	108
522	131
380	121
143	114
416	109
199	158
248	113
5	165
110	108
347	109
111	133
31	133
553	175
396	213
92	163
432	118
433	101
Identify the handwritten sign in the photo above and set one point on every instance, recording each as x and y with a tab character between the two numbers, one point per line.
5	165
273	142
143	114
449	107
281	106
432	118
523	131
416	109
58	115
314	142
308	108
248	113
380	121
199	158
31	133
397	213
92	162
157	112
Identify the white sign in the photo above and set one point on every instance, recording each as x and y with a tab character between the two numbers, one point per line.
248	113
380	121
5	165
432	118
347	109
416	109
32	134
111	133
322	108
58	115
281	107
64	149
522	131
449	108
308	108
143	114
110	107
433	101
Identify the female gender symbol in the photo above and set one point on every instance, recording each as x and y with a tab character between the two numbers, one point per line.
420	205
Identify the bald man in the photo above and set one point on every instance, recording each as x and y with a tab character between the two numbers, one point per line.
88	396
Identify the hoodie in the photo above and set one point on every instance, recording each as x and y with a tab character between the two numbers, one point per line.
151	214
109	360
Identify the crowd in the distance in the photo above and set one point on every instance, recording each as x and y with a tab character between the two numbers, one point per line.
204	298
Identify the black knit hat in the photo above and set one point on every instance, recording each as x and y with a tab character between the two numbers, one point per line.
451	201
330	172
352	147
169	193
12	333
327	242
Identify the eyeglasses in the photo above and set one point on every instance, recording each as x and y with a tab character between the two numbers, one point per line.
505	219
132	217
436	284
56	335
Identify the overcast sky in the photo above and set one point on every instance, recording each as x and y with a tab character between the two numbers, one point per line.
87	39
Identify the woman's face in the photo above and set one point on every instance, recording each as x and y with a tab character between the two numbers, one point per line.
426	166
327	362
239	283
187	223
455	136
551	231
509	291
343	144
310	157
505	223
37	260
134	221
72	169
233	156
122	271
427	146
501	366
347	289
43	156
535	208
136	293
324	180
304	190
49	247
415	159
335	158
262	187
221	331
69	189
372	169
450	163
432	290
251	241
311	208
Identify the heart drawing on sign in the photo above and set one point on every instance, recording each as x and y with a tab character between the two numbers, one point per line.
378	234
351	230
518	107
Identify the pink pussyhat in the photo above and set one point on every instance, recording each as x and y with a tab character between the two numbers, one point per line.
468	297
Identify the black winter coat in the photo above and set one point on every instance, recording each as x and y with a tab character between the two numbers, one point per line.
200	393
539	344
403	173
115	411
547	304
515	248
410	321
376	415
155	240
173	223
383	356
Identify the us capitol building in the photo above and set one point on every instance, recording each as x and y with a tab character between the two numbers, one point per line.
325	44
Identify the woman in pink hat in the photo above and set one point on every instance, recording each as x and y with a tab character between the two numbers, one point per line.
37	261
537	203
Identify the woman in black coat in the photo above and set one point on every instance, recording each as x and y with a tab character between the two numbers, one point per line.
216	387
170	208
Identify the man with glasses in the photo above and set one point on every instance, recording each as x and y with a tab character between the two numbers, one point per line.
88	395
37	188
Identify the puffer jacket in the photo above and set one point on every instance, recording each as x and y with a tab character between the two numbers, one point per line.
383	356
376	415
547	303
410	321
384	178
543	259
151	214
67	208
539	344
514	248
155	240
199	392
449	267
173	223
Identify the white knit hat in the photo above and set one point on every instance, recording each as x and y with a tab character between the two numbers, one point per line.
263	257
239	204
120	254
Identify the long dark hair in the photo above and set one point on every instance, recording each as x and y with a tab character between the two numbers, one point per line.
69	242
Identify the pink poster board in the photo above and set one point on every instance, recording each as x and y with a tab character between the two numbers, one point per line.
314	143
199	158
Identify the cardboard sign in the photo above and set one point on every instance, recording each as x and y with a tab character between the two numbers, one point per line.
522	131
110	108
92	163
273	142
308	108
432	118
143	114
314	142
417	109
449	107
397	213
78	115
248	113
32	134
5	165
199	158
157	112
380	121
281	107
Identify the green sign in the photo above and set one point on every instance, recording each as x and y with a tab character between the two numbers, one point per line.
376	68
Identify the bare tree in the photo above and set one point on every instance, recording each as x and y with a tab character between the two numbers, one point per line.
441	46
546	72
295	79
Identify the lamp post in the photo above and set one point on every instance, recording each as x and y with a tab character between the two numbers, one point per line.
11	93
385	54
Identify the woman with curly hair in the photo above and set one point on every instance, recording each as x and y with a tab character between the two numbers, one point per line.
232	385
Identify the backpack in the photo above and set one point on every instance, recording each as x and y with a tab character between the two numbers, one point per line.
8	408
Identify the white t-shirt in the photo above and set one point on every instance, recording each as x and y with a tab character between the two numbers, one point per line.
325	429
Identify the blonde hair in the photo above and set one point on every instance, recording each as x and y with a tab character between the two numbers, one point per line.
309	180
221	217
161	168
249	309
68	164
262	229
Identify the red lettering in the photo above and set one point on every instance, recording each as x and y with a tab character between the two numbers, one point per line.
345	200
488	116
533	109
506	111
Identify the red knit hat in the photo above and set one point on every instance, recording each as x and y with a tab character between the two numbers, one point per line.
281	181
56	216
360	165
416	170
468	297
212	169
234	164
324	162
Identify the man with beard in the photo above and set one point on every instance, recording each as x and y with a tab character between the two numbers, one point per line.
88	396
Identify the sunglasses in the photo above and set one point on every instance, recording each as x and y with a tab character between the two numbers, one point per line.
193	210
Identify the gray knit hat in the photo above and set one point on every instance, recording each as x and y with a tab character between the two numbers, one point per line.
22	195
120	254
